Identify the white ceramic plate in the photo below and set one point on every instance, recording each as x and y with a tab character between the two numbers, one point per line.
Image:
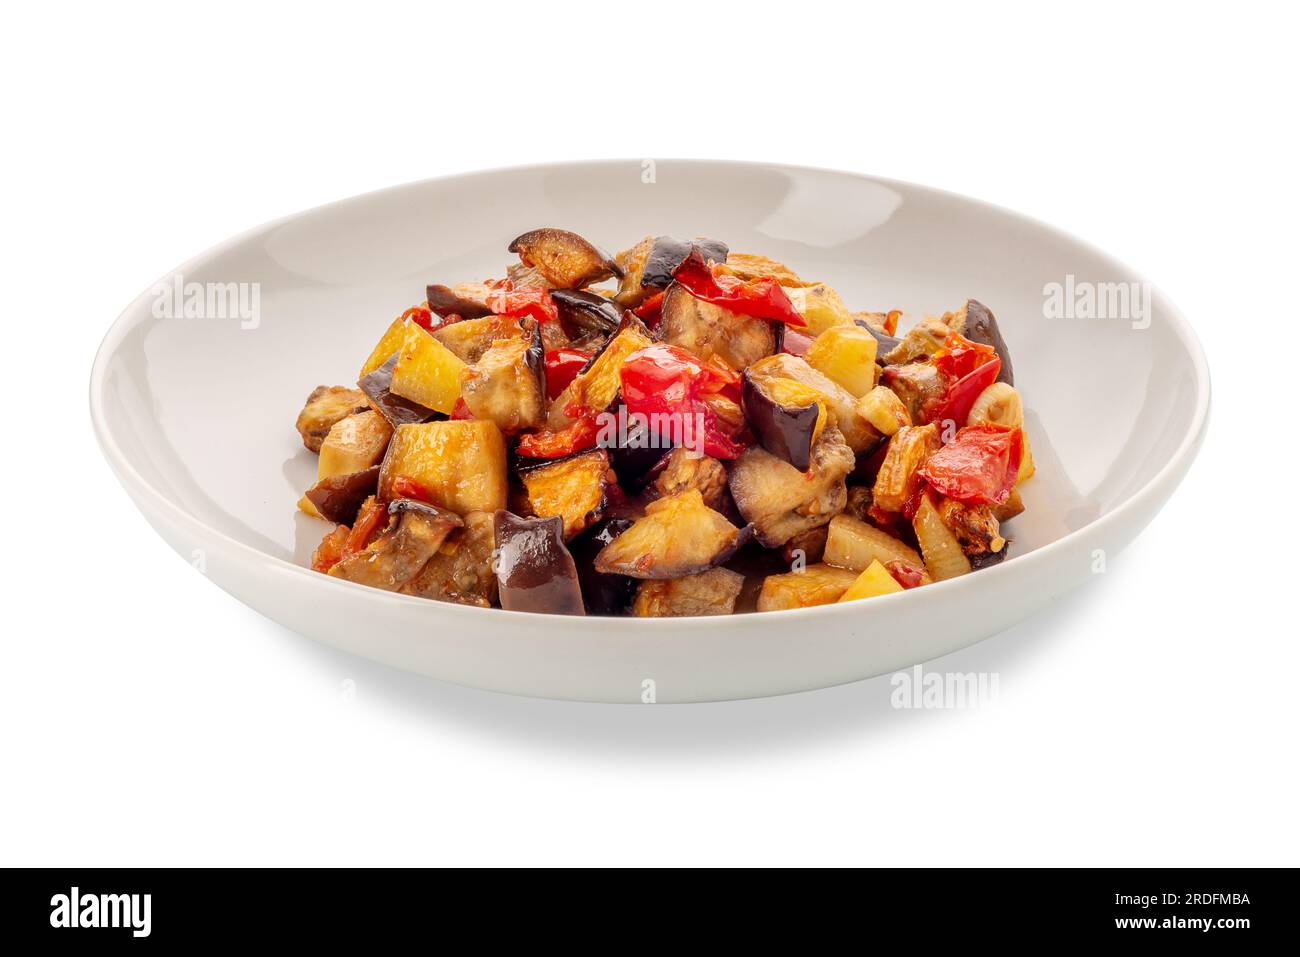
196	415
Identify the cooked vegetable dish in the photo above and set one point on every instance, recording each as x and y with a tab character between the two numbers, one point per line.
679	429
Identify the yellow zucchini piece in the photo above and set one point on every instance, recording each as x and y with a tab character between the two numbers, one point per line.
874	580
815	585
846	355
943	555
388	343
884	410
427	372
461	463
821	308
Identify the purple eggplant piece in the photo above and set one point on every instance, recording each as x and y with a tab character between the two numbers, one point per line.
988	559
982	327
378	386
667	254
603	594
339	497
535	572
586	310
636	449
787	432
444	301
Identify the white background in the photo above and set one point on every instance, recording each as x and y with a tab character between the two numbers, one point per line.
148	718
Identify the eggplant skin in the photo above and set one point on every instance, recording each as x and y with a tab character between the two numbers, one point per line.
586	310
413	537
981	326
565	259
603	594
535	572
636	452
460	571
787	432
782	502
445	301
988	559
884	342
378	385
574	488
338	497
667	254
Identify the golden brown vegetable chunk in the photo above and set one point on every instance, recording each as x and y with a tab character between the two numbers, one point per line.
395	557
326	405
779	500
354	444
595	388
687	470
918	384
707	330
821	307
815	585
632	263
565	259
460	463
1009	509
573	489
427	372
709	593
470	338
678	536
908	450
461	570
922	341
857	432
507	385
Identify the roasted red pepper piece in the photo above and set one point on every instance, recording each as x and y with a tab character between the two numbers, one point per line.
460	410
372	515
332	549
535	301
547	444
651	310
978	467
906	574
404	487
669	385
761	298
421	316
562	367
970	368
